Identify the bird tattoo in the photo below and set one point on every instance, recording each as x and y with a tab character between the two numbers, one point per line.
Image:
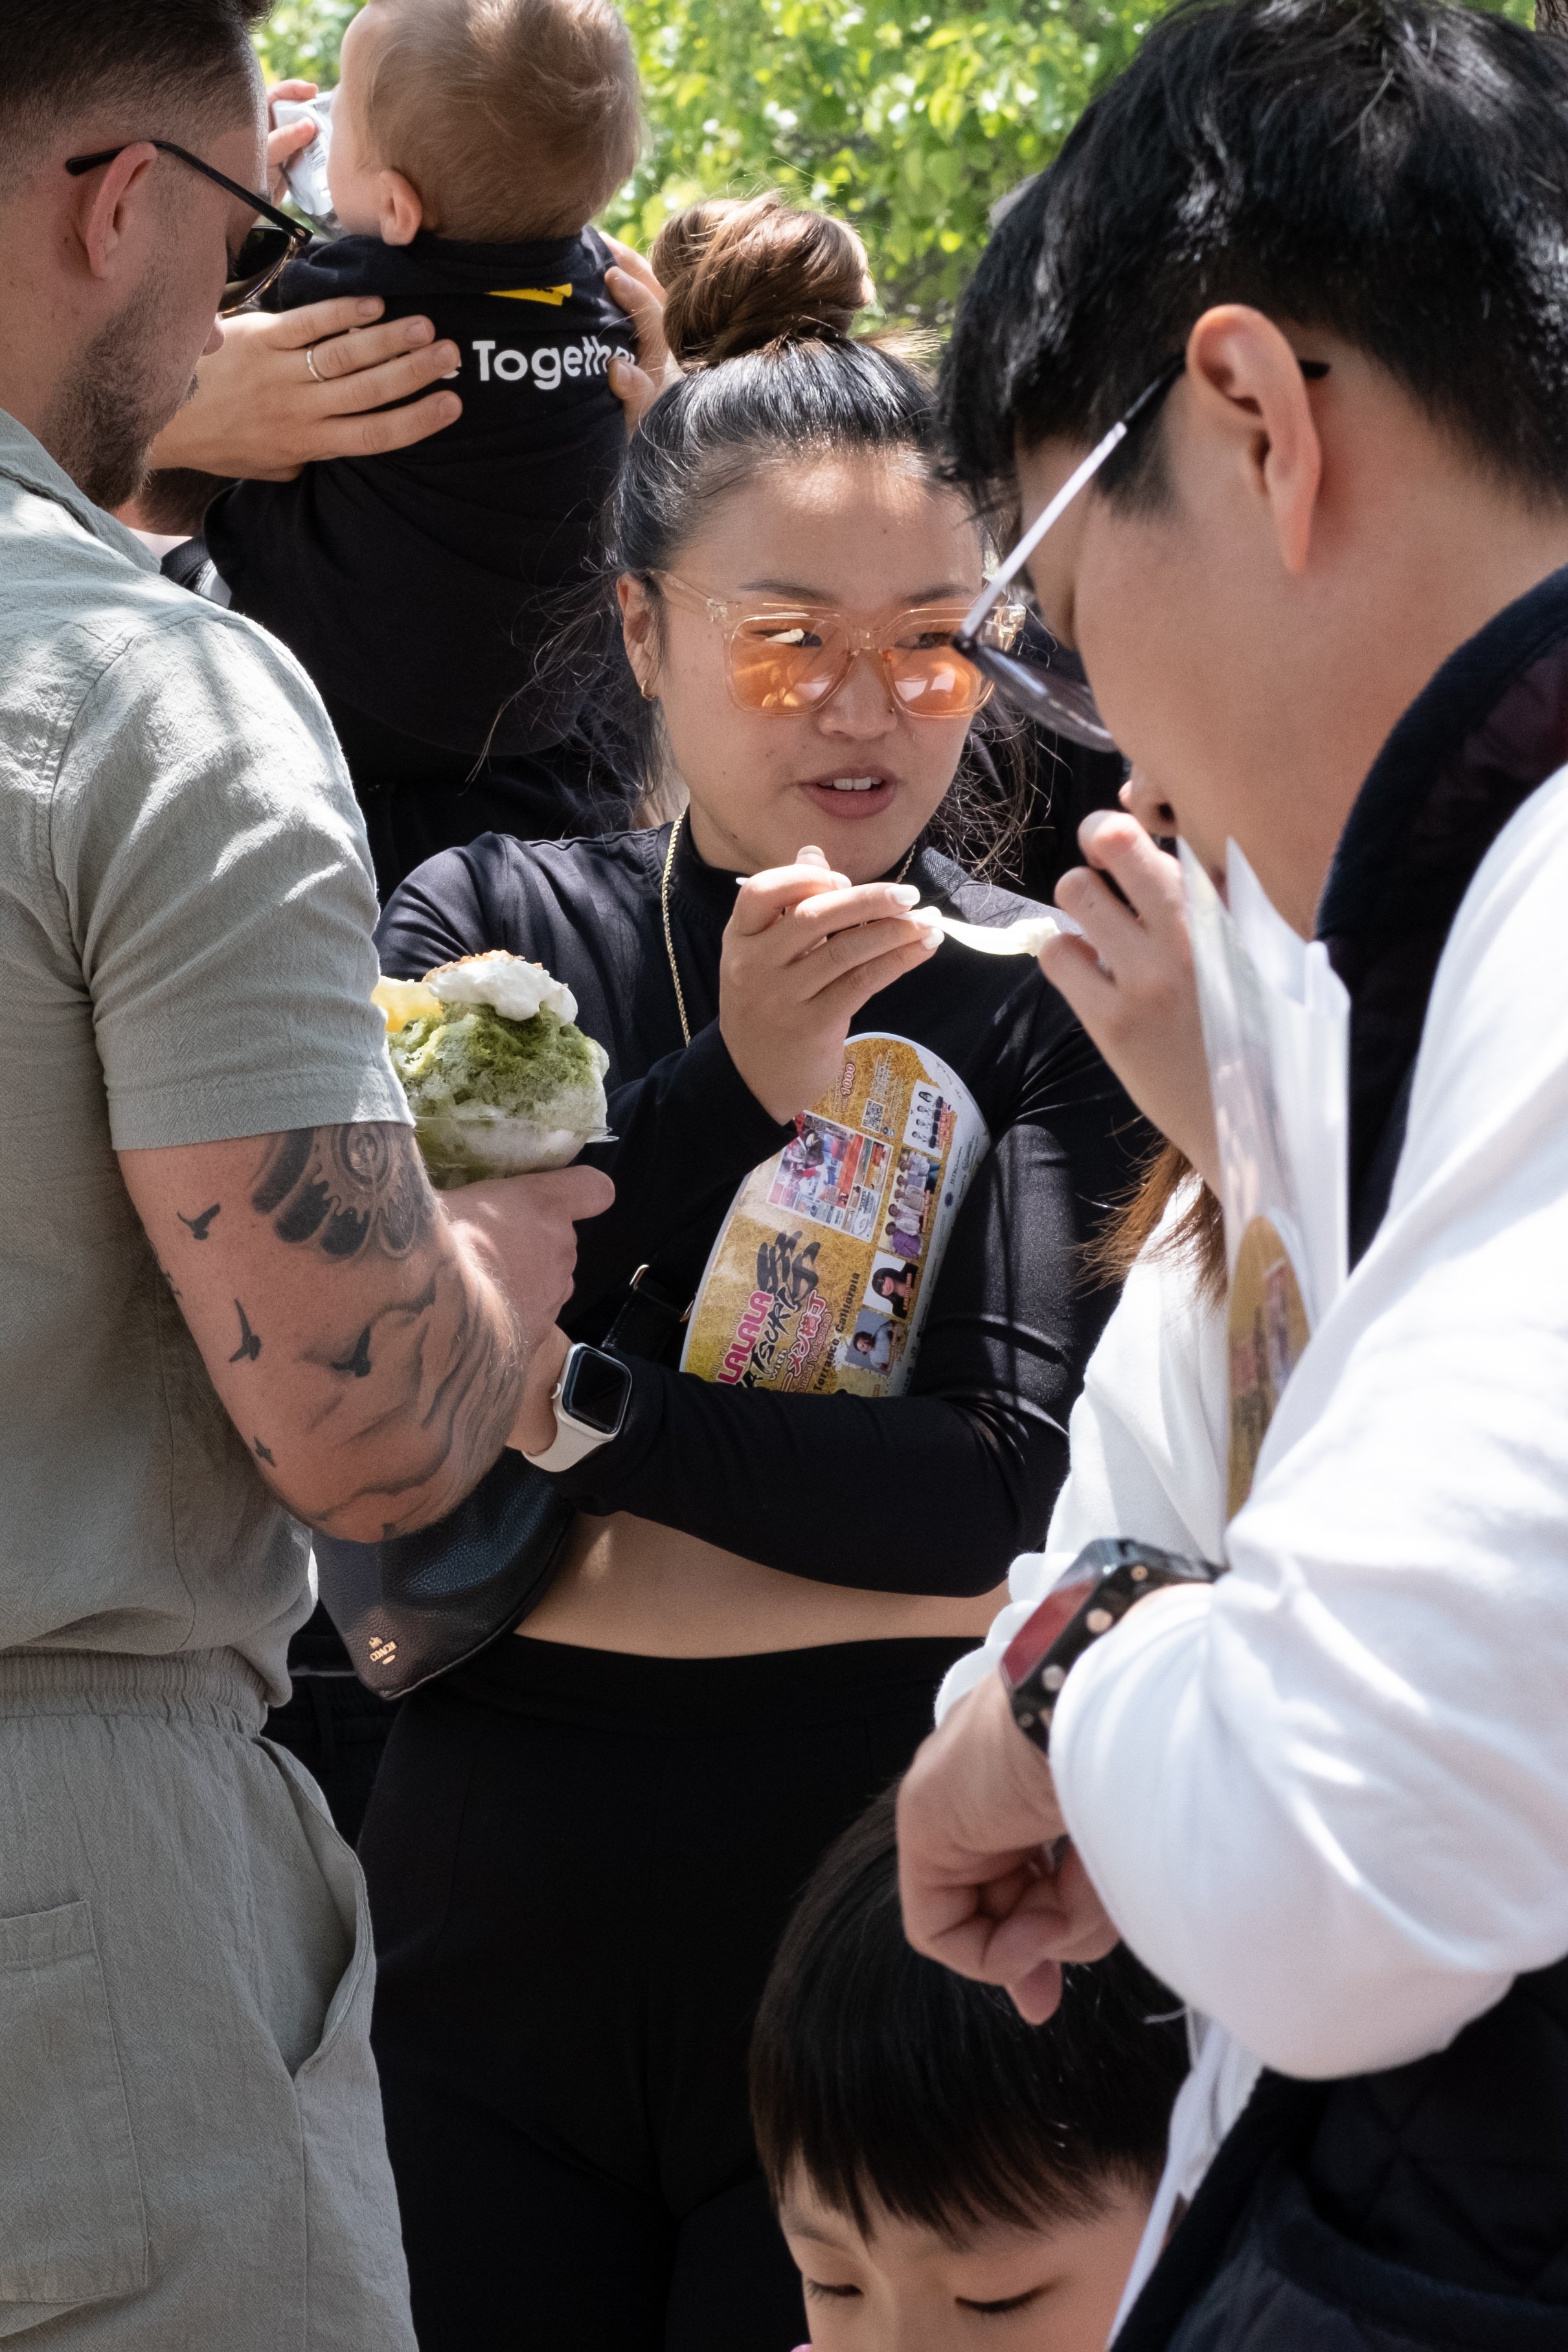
249	1347
199	1225
264	1451
359	1363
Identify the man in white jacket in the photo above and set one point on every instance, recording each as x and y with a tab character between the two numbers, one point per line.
1319	594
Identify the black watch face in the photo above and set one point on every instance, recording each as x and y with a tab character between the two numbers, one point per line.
595	1390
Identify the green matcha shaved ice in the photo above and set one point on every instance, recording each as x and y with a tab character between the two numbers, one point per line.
474	1054
494	1096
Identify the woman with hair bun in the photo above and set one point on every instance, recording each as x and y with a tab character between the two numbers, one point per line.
741	276
584	1844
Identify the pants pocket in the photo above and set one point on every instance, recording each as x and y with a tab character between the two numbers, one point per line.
73	2227
345	1884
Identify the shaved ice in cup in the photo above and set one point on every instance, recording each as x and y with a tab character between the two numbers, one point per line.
500	1079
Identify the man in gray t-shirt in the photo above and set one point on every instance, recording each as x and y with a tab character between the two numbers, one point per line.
228	1293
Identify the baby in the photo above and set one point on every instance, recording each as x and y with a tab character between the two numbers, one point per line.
936	2162
471	140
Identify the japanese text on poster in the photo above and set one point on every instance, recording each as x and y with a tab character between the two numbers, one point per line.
823	1268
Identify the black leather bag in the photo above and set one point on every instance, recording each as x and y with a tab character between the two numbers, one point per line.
412	1607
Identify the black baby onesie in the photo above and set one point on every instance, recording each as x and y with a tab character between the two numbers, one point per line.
418	588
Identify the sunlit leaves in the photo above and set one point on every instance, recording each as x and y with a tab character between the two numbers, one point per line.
908	121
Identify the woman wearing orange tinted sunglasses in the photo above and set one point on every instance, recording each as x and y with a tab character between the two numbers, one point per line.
767	1576
784	657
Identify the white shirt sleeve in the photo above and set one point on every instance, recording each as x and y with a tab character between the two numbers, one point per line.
1327	1800
1146	1443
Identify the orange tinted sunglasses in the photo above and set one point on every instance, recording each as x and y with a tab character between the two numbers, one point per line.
786	657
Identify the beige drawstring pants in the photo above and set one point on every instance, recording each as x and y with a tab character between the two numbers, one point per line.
191	2156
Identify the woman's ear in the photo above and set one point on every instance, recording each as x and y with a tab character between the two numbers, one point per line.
399	210
1247	384
639	632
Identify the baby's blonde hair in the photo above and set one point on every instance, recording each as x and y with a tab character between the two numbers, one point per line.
513	118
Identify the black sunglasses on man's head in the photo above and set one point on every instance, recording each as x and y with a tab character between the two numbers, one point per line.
274	240
1058	694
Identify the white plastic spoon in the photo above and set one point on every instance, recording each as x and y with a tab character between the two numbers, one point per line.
1026	936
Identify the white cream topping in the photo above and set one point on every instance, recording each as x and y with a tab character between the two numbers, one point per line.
510	985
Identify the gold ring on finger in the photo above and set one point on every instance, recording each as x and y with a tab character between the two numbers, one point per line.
310	363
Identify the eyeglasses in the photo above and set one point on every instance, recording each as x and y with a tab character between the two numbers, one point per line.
786	657
262	253
1056	691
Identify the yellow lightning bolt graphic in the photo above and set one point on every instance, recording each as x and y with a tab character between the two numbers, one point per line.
556	294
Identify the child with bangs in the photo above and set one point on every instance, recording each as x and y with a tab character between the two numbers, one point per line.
946	2174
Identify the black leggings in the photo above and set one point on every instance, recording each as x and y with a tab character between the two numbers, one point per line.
580	1864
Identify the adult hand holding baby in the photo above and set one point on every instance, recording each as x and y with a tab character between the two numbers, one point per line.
638	384
802	952
259	412
287	388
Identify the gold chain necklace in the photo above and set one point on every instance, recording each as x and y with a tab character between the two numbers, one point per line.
670	937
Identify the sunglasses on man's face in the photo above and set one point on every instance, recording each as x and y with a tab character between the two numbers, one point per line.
263	252
1052	689
786	657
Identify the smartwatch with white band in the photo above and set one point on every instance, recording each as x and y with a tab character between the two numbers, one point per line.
591	1399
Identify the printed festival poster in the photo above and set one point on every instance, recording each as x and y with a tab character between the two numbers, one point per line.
824	1265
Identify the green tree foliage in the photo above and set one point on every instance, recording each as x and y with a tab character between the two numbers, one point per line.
299	40
908	123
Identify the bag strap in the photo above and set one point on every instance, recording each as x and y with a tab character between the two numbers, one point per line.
661	1295
648	1315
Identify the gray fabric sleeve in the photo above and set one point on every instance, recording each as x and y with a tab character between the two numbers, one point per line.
217	886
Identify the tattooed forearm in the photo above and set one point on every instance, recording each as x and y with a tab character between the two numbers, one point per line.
346	1189
422	1391
398	1332
363	1342
423	1399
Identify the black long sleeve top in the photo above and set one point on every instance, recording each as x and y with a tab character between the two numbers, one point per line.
933	1491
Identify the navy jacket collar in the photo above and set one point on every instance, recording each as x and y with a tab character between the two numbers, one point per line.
1468	698
1487	730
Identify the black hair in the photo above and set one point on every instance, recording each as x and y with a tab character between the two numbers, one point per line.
761	297
895	2085
153	63
1395	172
